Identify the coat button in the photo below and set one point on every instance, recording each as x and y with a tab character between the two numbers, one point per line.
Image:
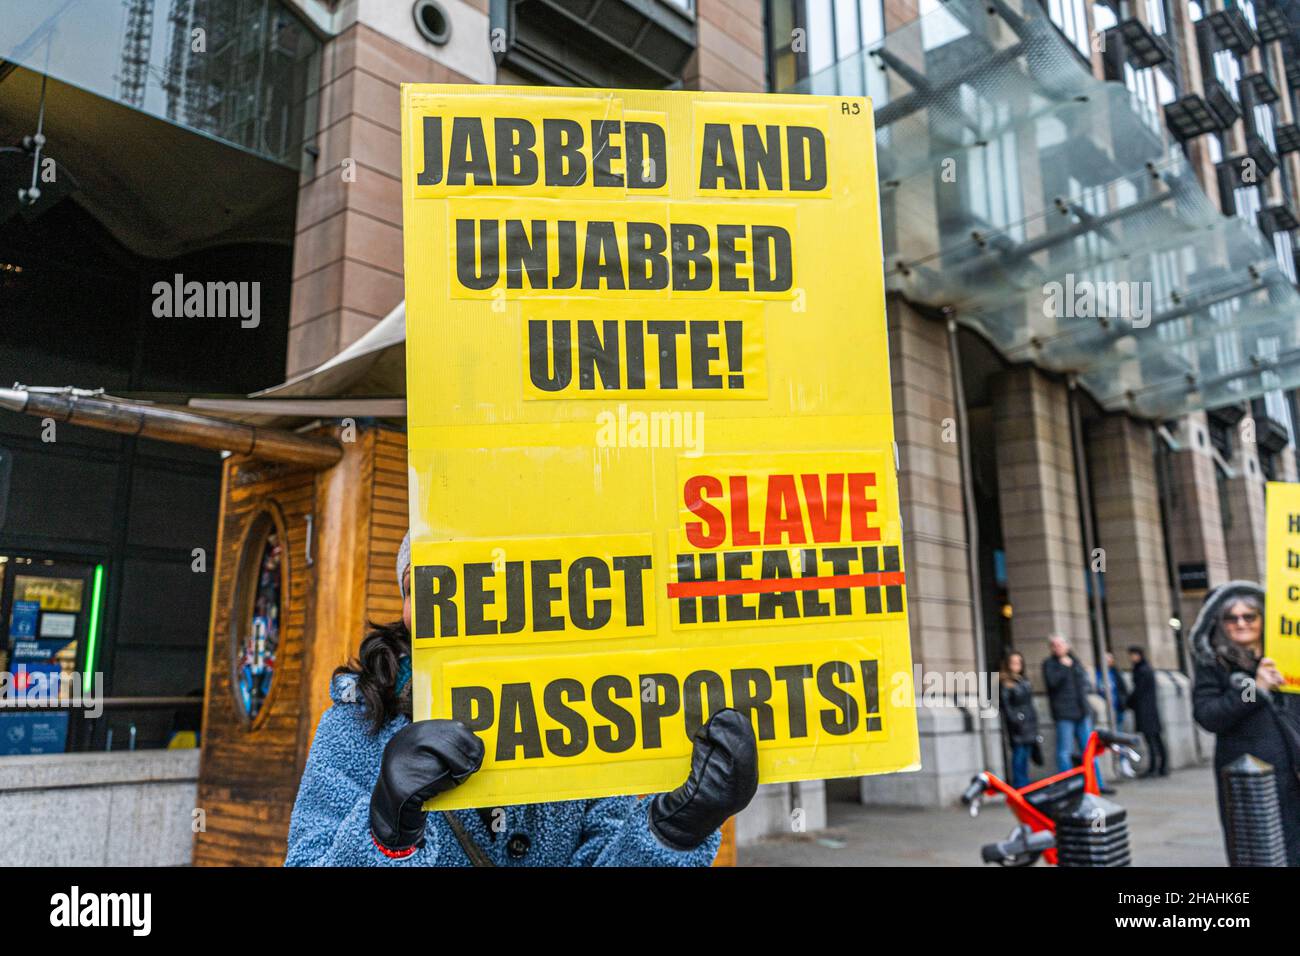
517	846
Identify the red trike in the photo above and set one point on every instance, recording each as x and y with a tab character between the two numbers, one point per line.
1038	805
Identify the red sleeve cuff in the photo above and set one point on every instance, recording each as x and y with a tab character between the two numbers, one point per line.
393	854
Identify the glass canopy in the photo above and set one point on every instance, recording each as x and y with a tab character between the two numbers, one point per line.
1052	213
242	71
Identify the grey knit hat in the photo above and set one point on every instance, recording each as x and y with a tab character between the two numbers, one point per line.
403	562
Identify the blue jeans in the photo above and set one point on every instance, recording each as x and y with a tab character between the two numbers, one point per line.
1074	732
1020	764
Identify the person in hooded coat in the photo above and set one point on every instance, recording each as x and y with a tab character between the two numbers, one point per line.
371	768
1235	697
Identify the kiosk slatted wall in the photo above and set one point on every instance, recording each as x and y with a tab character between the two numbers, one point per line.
389	519
248	778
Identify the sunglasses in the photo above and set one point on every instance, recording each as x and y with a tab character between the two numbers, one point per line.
1248	618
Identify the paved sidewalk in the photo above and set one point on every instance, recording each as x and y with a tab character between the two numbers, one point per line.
1173	821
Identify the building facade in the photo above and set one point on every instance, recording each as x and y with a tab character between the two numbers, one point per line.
1060	471
252	143
1058	467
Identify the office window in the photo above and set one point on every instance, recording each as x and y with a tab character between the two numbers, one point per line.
806	37
1156	16
1246	199
1285	253
821	34
1214	147
848	33
938	26
1247	8
1263	121
991	178
1151	89
1227	70
1071	17
1103	16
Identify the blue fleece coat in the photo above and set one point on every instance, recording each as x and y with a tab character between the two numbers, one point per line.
330	825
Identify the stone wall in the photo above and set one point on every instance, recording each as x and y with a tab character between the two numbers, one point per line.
124	808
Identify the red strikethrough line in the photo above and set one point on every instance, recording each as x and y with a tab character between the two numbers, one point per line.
871	579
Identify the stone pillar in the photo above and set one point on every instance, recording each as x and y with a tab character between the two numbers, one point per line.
1245	528
347	255
1195	519
730	52
935	552
930	491
1287	470
1038	500
1126	506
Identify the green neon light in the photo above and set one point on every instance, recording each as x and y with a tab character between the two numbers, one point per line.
92	638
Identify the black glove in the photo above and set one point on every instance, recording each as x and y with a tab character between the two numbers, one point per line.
724	778
422	759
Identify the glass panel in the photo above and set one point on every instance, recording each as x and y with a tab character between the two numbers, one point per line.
1054	214
243	71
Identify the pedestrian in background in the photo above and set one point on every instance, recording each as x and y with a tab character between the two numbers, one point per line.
1020	718
1145	705
1236	697
1067	694
1111	682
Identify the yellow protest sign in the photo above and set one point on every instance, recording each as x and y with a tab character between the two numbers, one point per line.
1282	593
650	435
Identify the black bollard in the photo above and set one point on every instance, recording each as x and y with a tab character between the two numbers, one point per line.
1253	817
1093	834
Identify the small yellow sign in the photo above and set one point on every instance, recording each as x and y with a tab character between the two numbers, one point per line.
650	431
1282	596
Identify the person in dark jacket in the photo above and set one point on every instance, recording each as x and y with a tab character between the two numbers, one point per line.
1019	717
1235	697
1143	702
1067	693
370	770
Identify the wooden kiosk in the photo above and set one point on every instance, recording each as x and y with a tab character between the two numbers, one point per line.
342	528
329	508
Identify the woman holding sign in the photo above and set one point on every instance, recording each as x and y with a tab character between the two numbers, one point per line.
1237	698
370	769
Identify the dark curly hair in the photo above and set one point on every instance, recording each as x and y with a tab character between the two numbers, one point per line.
375	668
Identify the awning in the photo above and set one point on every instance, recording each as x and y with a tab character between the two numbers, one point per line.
1053	214
365	380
